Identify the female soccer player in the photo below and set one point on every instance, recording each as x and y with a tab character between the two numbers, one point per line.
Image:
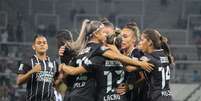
38	71
90	60
158	79
134	76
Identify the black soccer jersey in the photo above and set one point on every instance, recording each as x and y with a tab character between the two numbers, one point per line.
138	92
159	77
40	85
85	84
70	79
109	75
131	77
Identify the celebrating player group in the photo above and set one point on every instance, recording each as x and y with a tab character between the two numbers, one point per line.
104	63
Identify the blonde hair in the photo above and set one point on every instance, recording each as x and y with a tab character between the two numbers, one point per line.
80	42
87	30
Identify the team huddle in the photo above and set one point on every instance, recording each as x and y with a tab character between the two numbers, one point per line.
103	64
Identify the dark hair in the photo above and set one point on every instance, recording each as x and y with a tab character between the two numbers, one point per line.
91	27
153	35
158	41
72	47
36	36
166	48
164	45
133	26
106	22
63	36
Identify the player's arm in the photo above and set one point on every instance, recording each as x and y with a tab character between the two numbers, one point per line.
130	68
58	77
22	78
126	60
72	70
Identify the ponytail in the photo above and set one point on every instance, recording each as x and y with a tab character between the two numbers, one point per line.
166	48
64	37
81	41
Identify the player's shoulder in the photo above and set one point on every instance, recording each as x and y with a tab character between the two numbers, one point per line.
25	64
154	59
158	53
97	49
137	53
95	46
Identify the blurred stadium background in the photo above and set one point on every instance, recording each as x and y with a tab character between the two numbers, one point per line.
179	20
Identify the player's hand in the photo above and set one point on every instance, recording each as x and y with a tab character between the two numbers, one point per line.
61	50
146	66
36	68
113	48
122	89
84	23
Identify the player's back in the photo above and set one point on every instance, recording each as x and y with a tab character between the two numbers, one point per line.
160	76
84	85
109	75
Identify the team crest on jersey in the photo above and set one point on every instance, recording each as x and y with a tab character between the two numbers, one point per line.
103	48
21	67
144	58
50	64
86	50
45	76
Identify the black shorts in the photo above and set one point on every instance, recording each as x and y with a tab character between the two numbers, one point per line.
157	96
162	98
122	98
77	98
